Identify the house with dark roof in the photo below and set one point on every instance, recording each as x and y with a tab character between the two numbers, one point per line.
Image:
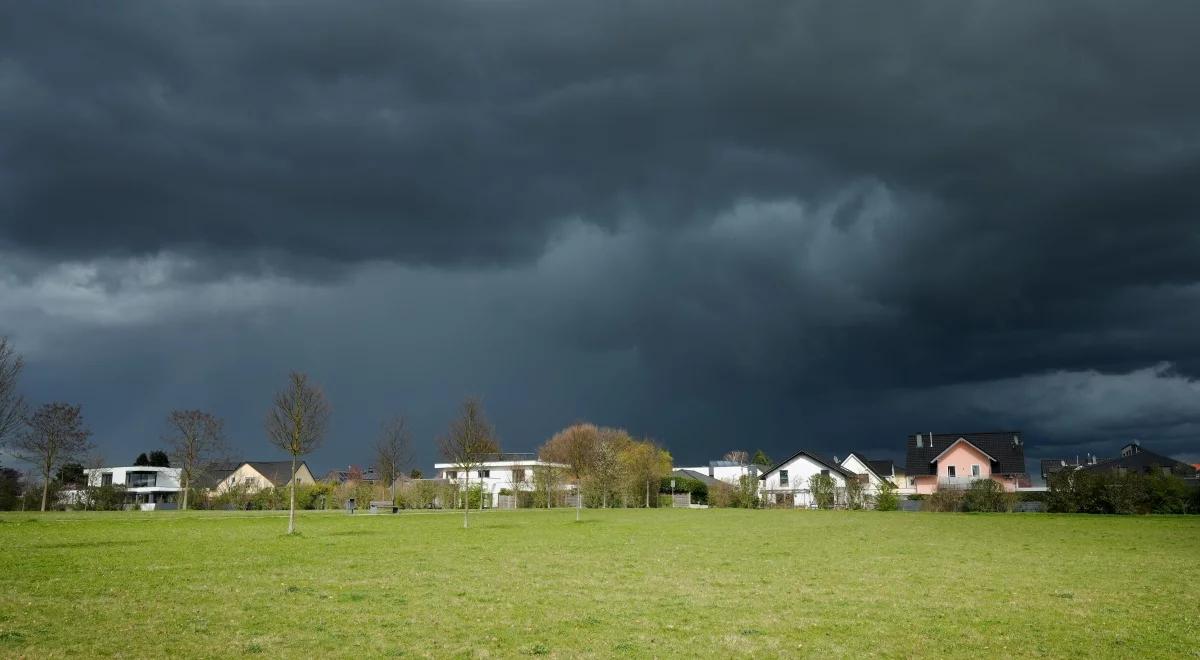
1133	459
352	473
256	475
954	460
787	483
731	472
873	473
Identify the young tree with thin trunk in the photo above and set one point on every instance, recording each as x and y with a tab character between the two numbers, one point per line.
393	451
195	437
575	447
12	406
296	424
606	473
645	464
54	435
467	444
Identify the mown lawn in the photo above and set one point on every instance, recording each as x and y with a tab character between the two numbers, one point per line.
639	583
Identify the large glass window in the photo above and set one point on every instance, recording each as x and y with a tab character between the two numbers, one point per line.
951	471
106	479
974	470
141	479
783	477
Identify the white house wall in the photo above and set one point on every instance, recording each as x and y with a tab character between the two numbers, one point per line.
800	470
856	466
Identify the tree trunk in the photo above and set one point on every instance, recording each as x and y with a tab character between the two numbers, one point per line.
578	498
647	494
466	499
292	497
45	490
185	494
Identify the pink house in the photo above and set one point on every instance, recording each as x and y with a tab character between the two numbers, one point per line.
954	460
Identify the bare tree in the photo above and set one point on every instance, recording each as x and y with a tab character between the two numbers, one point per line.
54	435
576	447
296	424
739	456
468	442
393	451
194	437
12	406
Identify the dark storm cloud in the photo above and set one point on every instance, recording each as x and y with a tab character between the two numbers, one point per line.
869	219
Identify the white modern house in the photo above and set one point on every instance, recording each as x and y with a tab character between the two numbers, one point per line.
496	472
146	488
731	472
788	481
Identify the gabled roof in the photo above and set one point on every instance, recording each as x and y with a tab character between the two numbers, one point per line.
1005	448
819	458
698	476
870	465
965	442
278	473
884	467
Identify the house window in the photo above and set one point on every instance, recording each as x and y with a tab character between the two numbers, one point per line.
106	479
483	474
519	475
783	477
951	471
974	470
824	473
451	474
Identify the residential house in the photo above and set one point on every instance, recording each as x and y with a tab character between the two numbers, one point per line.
955	460
352	473
495	472
873	473
146	488
1136	459
730	472
256	475
788	481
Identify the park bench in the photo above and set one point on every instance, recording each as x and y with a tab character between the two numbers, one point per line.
379	506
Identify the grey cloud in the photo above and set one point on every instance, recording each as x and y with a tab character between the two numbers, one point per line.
731	221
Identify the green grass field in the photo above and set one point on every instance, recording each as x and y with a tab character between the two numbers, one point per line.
639	583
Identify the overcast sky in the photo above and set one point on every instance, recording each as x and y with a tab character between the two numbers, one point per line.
720	225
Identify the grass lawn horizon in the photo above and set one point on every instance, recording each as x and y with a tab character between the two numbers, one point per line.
622	582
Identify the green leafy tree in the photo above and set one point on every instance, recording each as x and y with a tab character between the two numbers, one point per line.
142	460
856	497
823	490
158	458
70	473
886	498
761	459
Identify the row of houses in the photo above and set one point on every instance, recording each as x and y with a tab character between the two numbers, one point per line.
933	461
149	488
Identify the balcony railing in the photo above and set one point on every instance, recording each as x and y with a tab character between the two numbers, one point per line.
959	482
